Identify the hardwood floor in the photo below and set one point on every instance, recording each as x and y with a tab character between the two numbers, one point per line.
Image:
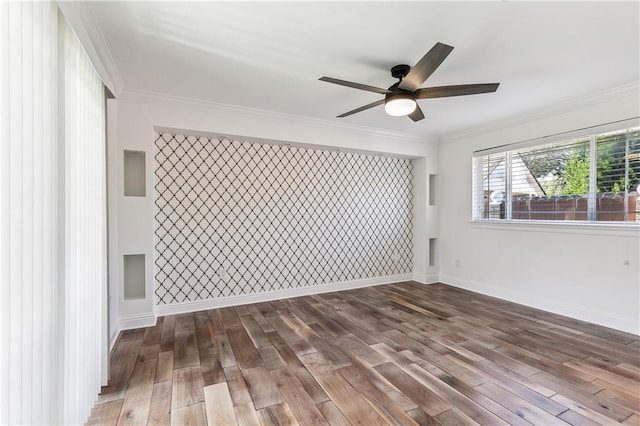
395	354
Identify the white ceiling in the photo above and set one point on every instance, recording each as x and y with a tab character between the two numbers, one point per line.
269	55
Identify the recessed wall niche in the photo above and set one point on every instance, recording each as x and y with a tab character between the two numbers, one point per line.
433	252
432	190
134	276
134	174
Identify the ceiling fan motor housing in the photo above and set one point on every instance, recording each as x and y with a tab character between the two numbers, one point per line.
400	71
395	90
396	94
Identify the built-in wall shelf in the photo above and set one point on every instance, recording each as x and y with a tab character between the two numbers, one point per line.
433	252
134	174
432	190
134	276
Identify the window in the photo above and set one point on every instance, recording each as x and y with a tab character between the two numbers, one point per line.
591	178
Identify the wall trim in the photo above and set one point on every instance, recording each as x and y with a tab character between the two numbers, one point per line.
265	141
432	279
224	302
137	321
93	41
614	229
545	305
114	338
145	96
421	278
625	90
426	278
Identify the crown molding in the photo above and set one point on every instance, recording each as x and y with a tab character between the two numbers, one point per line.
92	39
623	91
213	107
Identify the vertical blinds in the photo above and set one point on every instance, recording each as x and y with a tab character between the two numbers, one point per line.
51	219
29	238
85	227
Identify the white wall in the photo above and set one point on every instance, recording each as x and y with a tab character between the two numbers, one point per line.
425	218
139	116
578	271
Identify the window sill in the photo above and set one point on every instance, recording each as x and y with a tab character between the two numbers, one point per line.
622	229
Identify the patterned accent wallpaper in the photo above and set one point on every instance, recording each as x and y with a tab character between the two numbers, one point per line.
235	217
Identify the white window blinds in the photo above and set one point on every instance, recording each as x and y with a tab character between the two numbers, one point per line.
84	226
29	239
590	178
52	217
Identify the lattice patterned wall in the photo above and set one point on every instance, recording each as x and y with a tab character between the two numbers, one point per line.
236	218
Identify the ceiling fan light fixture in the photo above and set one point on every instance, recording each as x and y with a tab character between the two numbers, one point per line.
400	99
400	104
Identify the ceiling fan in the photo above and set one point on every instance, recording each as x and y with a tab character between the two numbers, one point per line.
400	98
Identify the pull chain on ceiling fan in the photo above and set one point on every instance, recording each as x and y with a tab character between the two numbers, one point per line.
401	98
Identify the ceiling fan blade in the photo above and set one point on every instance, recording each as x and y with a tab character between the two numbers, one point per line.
362	108
417	114
458	90
425	66
355	85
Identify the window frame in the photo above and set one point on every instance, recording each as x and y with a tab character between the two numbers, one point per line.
592	133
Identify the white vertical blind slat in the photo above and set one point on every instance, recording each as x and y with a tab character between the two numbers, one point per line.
38	214
28	30
50	218
5	301
15	206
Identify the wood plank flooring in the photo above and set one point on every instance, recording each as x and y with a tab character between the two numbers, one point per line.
400	354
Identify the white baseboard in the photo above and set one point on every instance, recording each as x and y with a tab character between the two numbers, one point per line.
577	313
223	302
137	321
426	279
113	338
432	279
